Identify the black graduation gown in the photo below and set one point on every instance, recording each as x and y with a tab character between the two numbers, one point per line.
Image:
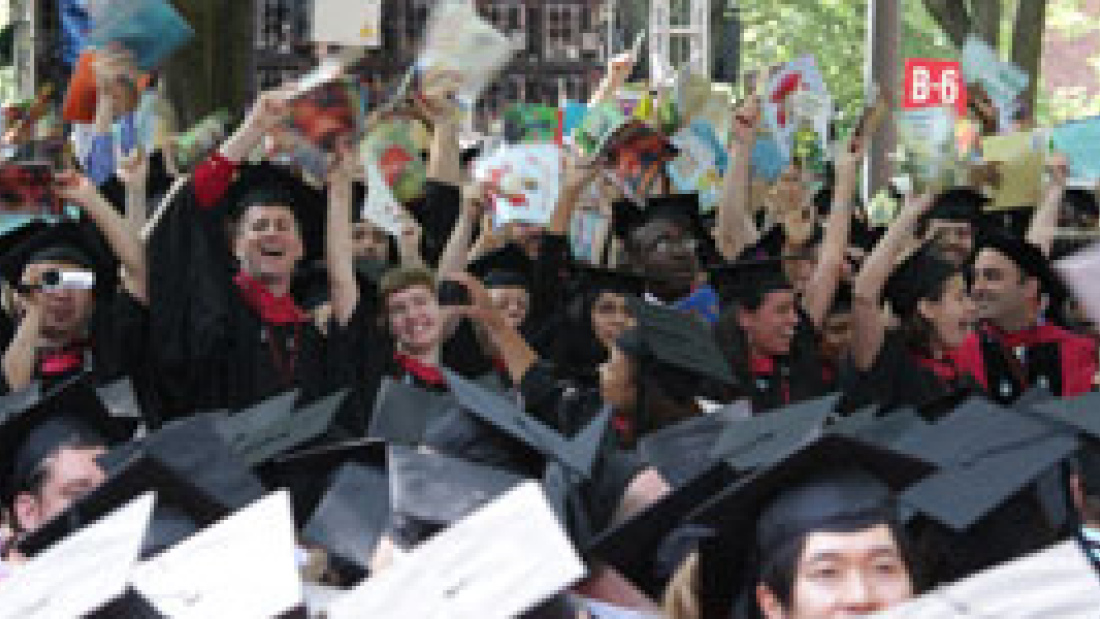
799	375
212	348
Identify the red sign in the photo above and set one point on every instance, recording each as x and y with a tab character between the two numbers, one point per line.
932	83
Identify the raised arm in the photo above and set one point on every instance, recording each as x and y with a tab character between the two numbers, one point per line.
618	71
339	248
577	178
736	228
867	316
19	356
517	354
826	276
1044	222
133	171
457	251
121	238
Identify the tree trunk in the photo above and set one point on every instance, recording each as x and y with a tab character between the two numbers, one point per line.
884	67
986	21
952	17
215	70
1027	44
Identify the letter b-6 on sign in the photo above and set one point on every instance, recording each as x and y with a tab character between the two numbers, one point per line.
932	83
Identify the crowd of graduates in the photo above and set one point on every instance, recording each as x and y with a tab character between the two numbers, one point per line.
774	410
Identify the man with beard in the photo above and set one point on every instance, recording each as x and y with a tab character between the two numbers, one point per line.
1019	347
952	224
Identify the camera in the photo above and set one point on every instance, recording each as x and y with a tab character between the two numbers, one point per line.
67	280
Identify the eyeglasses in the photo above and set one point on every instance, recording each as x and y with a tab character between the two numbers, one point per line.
665	246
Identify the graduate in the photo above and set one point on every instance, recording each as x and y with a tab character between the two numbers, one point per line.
1018	346
909	365
952	224
223	260
74	313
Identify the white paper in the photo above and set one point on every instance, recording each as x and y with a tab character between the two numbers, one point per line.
81	573
1003	81
1081	272
461	44
785	108
380	207
328	70
1057	582
243	566
348	22
529	177
499	561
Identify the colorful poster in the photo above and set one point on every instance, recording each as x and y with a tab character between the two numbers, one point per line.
599	124
465	47
585	229
796	95
149	29
573	113
529	179
389	147
1021	169
527	123
1079	141
637	157
380	207
926	138
700	165
348	22
333	110
767	160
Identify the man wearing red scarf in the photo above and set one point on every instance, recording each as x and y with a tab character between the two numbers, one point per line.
1020	349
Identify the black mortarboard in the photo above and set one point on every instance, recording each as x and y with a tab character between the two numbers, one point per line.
120	400
958	204
14	237
74	242
986	456
269	184
1078	414
507	266
881	430
741	280
341	494
597	279
682	451
578	453
829	483
1026	256
275	426
431	491
1081	202
670	338
35	424
197	478
403	412
918	277
762	440
681	209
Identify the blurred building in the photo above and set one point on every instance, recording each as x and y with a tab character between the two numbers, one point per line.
562	47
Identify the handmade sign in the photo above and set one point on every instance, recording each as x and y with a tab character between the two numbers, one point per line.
526	123
1002	81
701	163
796	95
149	29
348	22
335	109
1020	169
767	160
637	154
927	140
529	179
390	147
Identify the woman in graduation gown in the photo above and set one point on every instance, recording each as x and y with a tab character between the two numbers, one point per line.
910	365
223	259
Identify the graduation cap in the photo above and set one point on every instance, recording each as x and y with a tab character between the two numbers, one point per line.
1059	581
72	242
741	280
403	412
829	482
197	478
431	491
351	518
962	204
1077	414
763	440
268	184
986	456
505	267
577	453
917	277
120	400
84	575
276	426
505	558
14	237
590	278
1026	256
682	451
668	337
242	566
681	209
36	424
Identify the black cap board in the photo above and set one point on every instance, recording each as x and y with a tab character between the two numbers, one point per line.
916	278
430	491
74	242
958	204
1026	256
352	516
736	281
274	426
670	338
764	439
403	412
590	278
685	450
577	453
507	266
308	472
986	456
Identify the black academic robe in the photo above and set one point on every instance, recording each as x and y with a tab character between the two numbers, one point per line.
211	347
799	375
1045	356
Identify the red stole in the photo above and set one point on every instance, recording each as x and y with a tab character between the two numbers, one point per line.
273	310
424	372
